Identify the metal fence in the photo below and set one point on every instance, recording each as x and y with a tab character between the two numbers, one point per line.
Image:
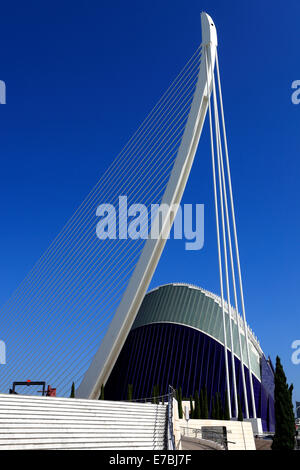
216	434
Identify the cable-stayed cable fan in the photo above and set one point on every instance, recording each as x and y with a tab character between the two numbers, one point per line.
83	292
121	323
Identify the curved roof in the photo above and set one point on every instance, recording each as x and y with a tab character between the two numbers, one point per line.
197	308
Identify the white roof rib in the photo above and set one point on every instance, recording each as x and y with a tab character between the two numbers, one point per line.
234	315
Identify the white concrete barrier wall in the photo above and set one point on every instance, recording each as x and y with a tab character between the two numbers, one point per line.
64	423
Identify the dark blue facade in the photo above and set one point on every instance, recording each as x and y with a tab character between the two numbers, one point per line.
181	356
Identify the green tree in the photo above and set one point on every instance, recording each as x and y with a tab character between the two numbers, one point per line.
179	399
130	392
155	394
201	402
220	407
240	411
72	394
226	408
217	407
102	393
213	409
284	438
205	405
197	410
291	388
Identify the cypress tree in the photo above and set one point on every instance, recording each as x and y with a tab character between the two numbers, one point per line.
217	407
130	392
102	393
180	410
155	394
291	388
72	394
201	403
226	409
197	410
240	411
284	438
205	405
191	408
220	407
213	409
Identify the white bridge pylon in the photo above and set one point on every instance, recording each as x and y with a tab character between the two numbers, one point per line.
111	345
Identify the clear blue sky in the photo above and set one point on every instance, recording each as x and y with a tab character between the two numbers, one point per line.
80	78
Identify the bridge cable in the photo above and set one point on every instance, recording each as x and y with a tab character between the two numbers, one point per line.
235	238
218	231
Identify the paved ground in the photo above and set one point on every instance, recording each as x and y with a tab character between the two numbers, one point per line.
190	443
263	444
